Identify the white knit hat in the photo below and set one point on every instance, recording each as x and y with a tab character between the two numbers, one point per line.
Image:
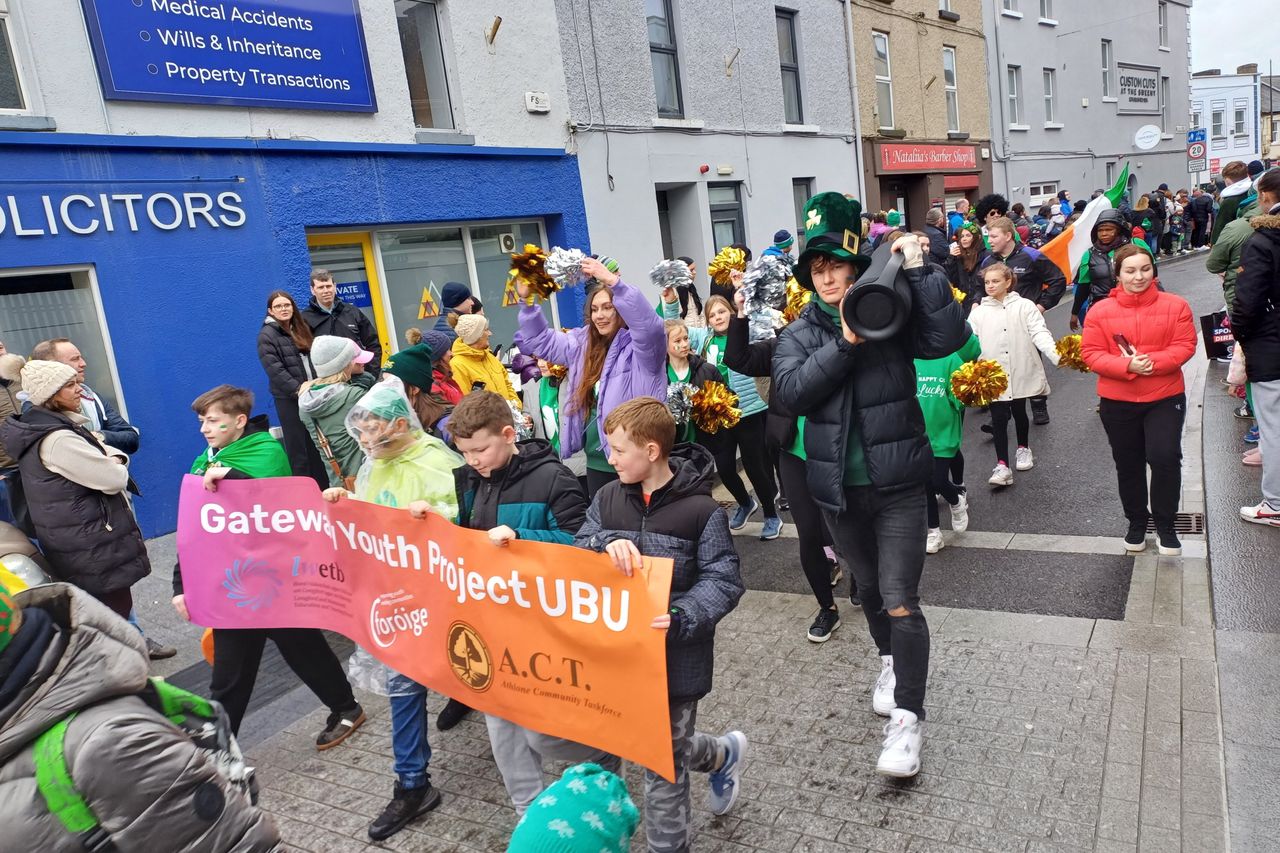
471	327
331	354
42	379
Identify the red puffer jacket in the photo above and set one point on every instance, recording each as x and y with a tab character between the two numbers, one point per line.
1154	322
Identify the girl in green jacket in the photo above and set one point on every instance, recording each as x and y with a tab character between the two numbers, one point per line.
944	424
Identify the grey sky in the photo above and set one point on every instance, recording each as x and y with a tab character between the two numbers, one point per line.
1229	33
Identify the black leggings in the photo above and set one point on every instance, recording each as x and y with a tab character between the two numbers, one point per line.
597	480
1000	413
747	436
304	458
943	485
811	529
685	293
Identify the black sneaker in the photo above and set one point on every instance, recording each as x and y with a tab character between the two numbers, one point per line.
339	727
406	804
1040	414
1136	539
1169	546
783	505
824	625
451	715
159	651
853	593
988	429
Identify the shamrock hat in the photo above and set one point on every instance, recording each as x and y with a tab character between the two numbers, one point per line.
588	810
832	227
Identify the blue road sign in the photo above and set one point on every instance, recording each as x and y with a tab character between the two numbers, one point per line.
1197	134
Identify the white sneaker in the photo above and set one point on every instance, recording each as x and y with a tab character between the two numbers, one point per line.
1263	513
882	701
960	514
903	735
1025	461
934	543
1001	476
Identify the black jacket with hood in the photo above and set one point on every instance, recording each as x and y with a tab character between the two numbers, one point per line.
756	359
1255	314
1098	261
286	367
684	523
818	374
535	495
346	321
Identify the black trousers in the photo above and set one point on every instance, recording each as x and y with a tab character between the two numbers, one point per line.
942	486
237	652
685	293
1000	414
1198	233
811	529
747	436
1146	435
304	458
597	480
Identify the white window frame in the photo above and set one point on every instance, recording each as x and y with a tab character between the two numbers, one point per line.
944	5
1013	82
16	51
1197	114
1218	119
886	79
1162	19
1239	117
1010	8
1275	130
1046	12
1042	192
1108	70
1049	80
1110	173
951	90
1166	120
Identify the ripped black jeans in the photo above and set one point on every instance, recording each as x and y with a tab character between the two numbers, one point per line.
881	535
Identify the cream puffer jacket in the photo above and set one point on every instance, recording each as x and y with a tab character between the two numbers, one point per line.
1011	330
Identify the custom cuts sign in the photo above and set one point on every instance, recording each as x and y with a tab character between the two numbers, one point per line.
286	54
1139	89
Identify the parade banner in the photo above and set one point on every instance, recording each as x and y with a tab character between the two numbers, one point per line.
551	637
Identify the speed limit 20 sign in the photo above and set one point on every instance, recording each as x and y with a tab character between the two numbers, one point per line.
1197	151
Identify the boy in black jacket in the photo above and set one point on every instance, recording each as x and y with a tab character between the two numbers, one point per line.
868	457
661	506
242	448
517	490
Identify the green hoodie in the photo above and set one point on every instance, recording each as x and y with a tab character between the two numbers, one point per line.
325	408
943	413
256	454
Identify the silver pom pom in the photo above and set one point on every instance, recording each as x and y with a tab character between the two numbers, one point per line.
764	287
523	422
679	397
670	274
565	266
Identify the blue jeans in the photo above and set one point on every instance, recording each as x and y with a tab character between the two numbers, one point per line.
881	535
409	733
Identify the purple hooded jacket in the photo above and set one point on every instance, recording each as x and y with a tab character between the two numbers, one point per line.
636	365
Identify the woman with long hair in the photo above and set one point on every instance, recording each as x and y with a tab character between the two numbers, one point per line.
1136	342
618	354
284	348
964	264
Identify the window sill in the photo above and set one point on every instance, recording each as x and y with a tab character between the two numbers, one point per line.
801	128
1165	48
958	135
27	123
681	123
893	132
1047	22
947	15
1010	13
1020	127
443	137
1053	125
1166	136
1106	99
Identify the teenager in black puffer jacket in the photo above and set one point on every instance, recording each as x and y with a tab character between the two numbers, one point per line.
868	456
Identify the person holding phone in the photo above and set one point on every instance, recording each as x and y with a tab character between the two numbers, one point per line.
1136	342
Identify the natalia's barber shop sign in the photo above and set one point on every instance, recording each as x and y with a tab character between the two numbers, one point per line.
282	54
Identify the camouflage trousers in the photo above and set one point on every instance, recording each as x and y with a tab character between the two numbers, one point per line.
667	804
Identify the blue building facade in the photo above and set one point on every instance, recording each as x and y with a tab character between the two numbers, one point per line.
155	255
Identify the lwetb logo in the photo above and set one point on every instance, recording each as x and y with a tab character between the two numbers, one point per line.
393	614
251	584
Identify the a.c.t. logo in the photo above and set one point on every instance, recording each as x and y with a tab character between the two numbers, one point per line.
469	657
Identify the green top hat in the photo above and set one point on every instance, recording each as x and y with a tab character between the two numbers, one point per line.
832	227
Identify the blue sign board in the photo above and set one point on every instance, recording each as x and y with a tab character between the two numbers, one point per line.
1197	134
355	293
281	54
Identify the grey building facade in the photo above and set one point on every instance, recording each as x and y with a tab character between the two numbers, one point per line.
1077	87
701	124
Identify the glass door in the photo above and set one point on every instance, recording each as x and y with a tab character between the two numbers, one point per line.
349	258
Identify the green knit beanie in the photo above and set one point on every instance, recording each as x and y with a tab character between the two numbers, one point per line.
587	810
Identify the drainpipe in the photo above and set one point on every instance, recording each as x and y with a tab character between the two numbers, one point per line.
853	97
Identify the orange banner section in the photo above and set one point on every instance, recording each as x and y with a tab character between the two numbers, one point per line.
548	636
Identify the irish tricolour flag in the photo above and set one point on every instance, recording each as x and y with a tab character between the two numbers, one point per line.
1069	247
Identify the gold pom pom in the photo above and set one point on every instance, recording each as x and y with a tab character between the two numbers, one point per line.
715	407
1069	356
958	294
556	371
797	297
728	260
979	383
530	268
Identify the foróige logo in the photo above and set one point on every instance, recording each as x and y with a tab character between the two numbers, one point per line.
469	657
392	614
251	583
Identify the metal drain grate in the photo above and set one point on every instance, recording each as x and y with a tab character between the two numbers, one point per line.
1187	523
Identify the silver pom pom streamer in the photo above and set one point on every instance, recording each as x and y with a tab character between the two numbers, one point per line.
565	266
670	274
523	422
764	287
679	397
